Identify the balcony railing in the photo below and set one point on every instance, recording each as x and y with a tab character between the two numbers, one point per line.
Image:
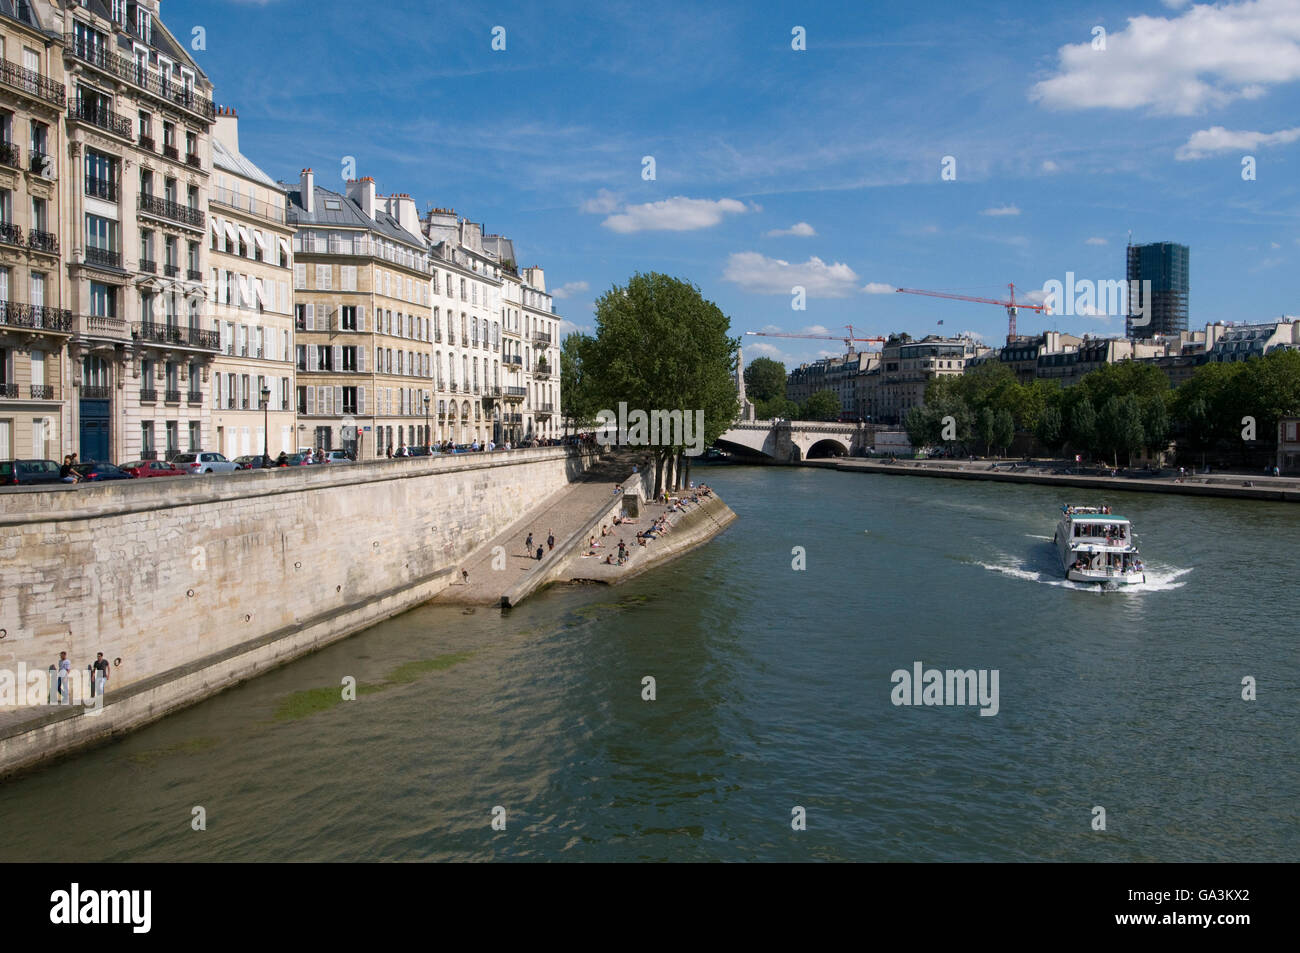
451	387
178	334
96	392
542	371
124	68
544	410
8	391
246	203
437	337
102	117
42	391
192	159
149	265
43	242
541	339
11	155
32	82
172	397
193	274
103	325
104	257
101	188
171	271
512	360
147	143
170	152
514	393
310	244
35	317
147	395
194	397
40	163
10	233
174	211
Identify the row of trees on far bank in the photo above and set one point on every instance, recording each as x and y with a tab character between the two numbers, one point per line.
765	387
1117	412
659	345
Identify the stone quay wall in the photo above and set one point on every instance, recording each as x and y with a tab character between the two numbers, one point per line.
197	583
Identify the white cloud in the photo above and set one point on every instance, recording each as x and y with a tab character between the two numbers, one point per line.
604	203
1037	296
1274	245
1001	210
1096	241
798	229
570	289
763	349
1207	142
774	276
677	214
1207	56
877	288
1050	166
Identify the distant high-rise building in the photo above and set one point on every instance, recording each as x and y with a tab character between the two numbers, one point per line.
1164	265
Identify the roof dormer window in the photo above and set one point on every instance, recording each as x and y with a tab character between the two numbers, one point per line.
144	24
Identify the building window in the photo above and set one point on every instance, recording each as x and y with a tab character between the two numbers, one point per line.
195	438
348	318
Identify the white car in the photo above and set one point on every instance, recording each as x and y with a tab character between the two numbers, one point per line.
337	456
203	461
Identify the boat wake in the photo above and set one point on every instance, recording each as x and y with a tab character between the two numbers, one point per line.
1159	578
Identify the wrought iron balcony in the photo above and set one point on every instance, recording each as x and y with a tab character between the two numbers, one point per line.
171	271
101	188
100	56
514	394
100	116
10	233
43	241
32	82
104	257
182	335
541	339
8	391
37	317
544	410
95	392
149	265
11	155
147	144
40	163
174	211
542	371
437	337
147	395
172	397
42	391
194	397
192	159
512	360
170	152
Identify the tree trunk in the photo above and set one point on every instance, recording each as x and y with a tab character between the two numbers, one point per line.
659	475
686	478
670	477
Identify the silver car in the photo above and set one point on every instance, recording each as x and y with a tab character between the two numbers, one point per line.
337	456
203	461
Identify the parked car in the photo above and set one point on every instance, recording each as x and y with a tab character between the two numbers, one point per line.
28	472
203	461
100	472
254	461
151	468
299	460
418	451
338	456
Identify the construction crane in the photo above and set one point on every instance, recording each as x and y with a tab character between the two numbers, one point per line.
847	339
1011	306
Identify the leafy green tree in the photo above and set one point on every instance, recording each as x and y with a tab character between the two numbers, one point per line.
921	426
823	405
660	345
1155	426
764	380
781	407
1004	429
1051	428
1083	426
579	406
986	428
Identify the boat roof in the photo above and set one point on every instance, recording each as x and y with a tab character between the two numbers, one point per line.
1098	517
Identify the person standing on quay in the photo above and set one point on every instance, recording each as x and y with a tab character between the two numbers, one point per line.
539	554
101	673
550	540
65	672
528	543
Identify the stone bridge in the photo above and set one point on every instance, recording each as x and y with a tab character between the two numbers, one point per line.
789	441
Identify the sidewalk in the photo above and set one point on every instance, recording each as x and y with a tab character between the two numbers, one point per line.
562	513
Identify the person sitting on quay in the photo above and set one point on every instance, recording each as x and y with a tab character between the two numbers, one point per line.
282	460
539	554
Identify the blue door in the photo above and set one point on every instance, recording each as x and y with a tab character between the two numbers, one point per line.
94	432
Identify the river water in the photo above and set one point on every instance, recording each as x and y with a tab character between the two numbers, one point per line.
773	692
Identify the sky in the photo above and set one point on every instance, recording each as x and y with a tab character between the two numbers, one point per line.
952	146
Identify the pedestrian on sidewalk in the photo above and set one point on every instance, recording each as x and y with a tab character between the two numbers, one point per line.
528	543
65	672
550	540
101	673
464	576
539	554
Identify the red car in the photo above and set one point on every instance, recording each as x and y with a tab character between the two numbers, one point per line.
152	468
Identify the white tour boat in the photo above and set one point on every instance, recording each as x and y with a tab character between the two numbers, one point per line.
1098	546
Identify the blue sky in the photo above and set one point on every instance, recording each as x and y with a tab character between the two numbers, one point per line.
820	167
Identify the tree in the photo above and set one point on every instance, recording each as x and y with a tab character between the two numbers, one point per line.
579	406
1083	426
1051	429
1155	426
920	424
660	346
986	427
781	407
1004	429
764	380
823	405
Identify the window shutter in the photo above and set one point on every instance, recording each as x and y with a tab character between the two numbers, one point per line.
361	400
313	358
361	317
338	400
216	390
361	360
311	317
338	357
311	401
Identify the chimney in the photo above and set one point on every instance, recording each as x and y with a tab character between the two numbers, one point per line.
226	130
362	191
307	184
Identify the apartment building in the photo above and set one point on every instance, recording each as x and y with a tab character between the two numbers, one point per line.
250	295
514	384
139	120
541	334
35	323
474	401
908	366
362	318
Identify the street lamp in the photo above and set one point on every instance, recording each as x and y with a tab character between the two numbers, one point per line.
427	432
266	428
